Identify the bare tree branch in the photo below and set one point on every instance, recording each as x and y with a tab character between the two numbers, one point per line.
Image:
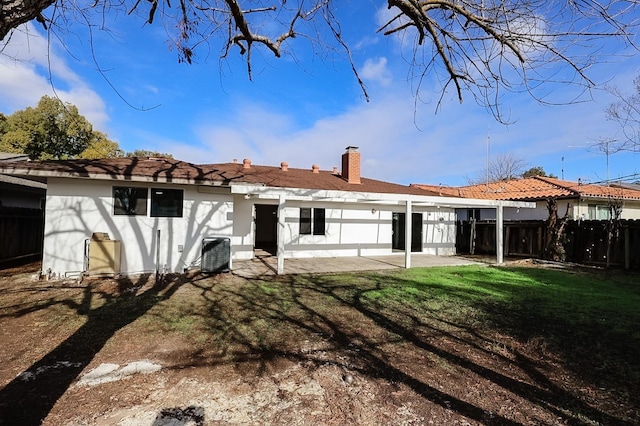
480	48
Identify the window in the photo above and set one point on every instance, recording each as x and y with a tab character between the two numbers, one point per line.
312	221
473	214
129	201
598	212
318	221
166	202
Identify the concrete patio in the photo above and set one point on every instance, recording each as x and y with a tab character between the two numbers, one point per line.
267	265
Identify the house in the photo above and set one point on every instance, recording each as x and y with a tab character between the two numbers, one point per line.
161	210
17	192
581	201
21	215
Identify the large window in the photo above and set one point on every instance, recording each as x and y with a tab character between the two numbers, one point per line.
129	200
312	221
166	202
598	212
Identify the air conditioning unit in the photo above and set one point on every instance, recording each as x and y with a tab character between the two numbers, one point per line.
216	254
104	255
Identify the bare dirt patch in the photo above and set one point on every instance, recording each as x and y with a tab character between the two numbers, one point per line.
227	350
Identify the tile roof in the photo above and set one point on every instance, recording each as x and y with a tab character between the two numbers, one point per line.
535	188
170	170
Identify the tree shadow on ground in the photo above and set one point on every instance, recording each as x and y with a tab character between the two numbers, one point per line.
28	399
266	320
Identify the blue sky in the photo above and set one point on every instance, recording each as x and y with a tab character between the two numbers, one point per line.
305	109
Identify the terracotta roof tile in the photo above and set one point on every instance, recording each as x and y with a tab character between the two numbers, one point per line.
520	189
537	188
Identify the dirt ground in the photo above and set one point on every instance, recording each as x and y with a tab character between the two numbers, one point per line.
81	353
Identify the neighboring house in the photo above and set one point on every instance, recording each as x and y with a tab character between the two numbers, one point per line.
21	215
580	201
18	192
161	209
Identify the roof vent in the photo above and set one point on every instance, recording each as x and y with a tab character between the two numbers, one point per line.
315	168
335	170
284	166
246	163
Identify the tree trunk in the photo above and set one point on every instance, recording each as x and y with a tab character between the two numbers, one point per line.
16	12
554	249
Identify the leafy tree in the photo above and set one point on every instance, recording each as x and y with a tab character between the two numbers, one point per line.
537	171
146	153
54	130
3	124
101	147
51	130
479	46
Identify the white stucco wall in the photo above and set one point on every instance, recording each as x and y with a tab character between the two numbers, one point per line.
539	213
351	229
76	209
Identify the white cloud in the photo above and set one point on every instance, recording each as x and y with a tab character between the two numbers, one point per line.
28	64
450	145
376	70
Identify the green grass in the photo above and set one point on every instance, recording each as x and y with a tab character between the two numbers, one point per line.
573	297
452	320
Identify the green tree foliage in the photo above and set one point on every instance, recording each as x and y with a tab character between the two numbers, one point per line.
146	153
537	171
53	130
101	147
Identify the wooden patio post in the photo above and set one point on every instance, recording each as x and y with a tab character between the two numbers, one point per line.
280	234
499	235
407	236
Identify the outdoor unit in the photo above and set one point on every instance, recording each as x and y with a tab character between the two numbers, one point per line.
104	255
216	254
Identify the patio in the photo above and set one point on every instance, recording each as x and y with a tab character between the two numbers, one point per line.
267	265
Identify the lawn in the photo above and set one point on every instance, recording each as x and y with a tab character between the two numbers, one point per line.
465	345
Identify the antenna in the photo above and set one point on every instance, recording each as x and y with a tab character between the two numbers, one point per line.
563	167
488	151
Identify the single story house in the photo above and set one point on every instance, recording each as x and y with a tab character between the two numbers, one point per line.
16	192
162	212
581	201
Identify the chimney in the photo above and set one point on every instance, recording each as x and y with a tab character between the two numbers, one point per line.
284	166
246	163
335	170
351	165
235	161
315	168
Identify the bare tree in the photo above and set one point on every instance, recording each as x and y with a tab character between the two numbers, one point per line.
481	47
626	112
502	167
614	205
555	236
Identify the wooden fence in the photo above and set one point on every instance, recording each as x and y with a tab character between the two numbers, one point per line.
21	234
585	241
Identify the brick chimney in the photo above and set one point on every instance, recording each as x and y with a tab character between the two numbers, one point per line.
351	165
